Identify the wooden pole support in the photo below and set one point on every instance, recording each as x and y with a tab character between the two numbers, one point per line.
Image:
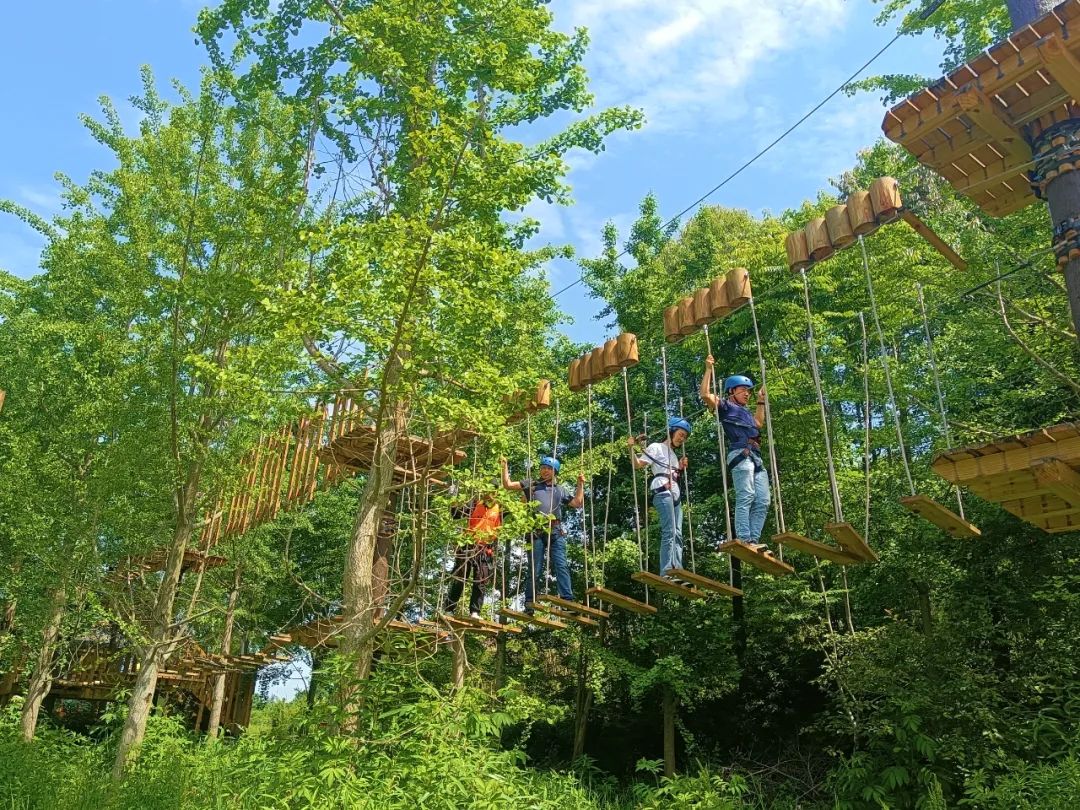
939	244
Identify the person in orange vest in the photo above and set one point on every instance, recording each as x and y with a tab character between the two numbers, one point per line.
476	557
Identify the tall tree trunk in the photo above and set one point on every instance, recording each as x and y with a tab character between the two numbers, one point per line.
41	677
358	589
669	730
161	631
582	705
925	611
457	671
226	648
1063	192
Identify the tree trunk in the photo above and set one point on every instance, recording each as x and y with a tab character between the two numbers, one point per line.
738	612
214	722
311	683
41	677
669	731
1063	192
924	607
152	659
457	672
358	589
582	706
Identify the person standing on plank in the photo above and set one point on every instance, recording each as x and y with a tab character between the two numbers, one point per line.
664	486
742	429
551	499
475	559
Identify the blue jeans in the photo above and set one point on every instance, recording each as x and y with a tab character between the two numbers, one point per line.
670	514
538	568
752	498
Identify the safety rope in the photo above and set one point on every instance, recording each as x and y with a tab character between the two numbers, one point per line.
689	508
866	425
585	511
885	365
838	508
722	444
946	432
633	475
607	509
778	498
550	527
647	490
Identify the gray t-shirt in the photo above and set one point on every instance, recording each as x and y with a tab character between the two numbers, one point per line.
552	498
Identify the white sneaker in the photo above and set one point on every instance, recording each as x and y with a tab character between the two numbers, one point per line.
474	615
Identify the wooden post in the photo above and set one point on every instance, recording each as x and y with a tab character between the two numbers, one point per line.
669	701
457	670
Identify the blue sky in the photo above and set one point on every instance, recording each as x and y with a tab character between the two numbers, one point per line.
717	79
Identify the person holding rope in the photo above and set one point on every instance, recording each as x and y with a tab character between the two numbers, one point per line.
664	486
742	429
551	499
476	557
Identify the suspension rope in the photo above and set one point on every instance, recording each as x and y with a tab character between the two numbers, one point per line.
778	499
647	490
550	526
722	444
866	424
838	508
527	540
633	475
586	512
946	432
607	508
689	512
885	365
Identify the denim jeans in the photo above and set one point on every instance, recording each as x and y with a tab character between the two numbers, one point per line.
538	568
670	514
752	498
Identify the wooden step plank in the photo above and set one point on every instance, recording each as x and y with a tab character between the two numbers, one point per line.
851	541
813	547
945	519
484	624
537	619
564	615
704	583
666	585
573	607
621	601
466	626
765	562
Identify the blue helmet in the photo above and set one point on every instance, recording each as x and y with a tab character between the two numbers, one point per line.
737	380
675	424
550	461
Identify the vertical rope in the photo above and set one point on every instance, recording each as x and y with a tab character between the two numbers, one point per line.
633	476
778	499
689	513
946	432
585	510
555	481
527	545
607	510
838	508
722	444
648	492
885	365
866	425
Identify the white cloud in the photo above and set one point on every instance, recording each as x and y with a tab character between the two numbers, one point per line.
687	62
42	200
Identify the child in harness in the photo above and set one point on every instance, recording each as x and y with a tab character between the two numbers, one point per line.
665	491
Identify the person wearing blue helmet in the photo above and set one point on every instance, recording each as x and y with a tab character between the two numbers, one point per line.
551	499
664	487
742	429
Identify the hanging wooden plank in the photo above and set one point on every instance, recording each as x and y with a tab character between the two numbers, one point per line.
537	619
814	548
575	607
851	541
758	559
945	519
621	601
564	615
666	585
703	583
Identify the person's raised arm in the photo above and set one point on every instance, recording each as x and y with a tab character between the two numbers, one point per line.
578	500
506	482
759	409
635	460
705	389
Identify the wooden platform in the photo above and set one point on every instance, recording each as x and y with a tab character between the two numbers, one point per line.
967	126
945	519
666	585
627	603
851	541
574	607
537	619
814	548
1033	475
155	561
703	583
357	447
758	559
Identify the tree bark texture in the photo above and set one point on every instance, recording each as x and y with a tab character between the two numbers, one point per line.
457	671
669	731
218	701
41	676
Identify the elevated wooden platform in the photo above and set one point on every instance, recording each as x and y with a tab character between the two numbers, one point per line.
945	519
573	607
758	559
1033	475
851	541
155	561
537	619
969	126
822	551
666	585
703	583
627	603
356	449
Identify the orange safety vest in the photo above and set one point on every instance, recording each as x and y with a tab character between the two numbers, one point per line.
484	522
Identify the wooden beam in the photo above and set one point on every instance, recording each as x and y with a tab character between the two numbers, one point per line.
815	549
1040	506
939	244
573	607
565	615
945	519
627	603
758	559
1060	479
666	585
1023	458
1061	64
851	541
704	583
994	121
532	618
